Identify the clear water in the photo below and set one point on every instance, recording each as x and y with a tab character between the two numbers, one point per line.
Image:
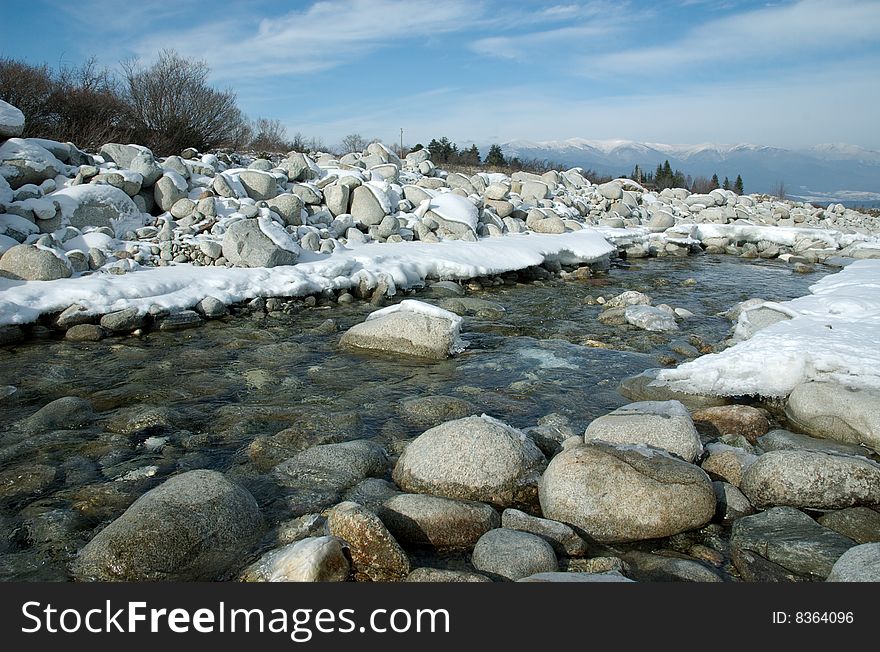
232	381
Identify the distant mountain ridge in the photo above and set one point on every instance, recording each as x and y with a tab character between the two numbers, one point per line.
827	172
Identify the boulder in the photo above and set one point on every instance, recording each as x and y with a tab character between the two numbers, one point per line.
565	541
812	480
784	544
259	185
123	321
650	318
27	162
144	164
169	189
735	420
858	564
122	155
94	205
430	411
661	424
289	207
475	458
648	567
11	120
194	526
729	463
33	263
641	388
376	556
313	559
832	411
731	503
318	476
861	524
366	207
336	197
617	493
245	245
512	555
570	576
783	440
424	574
410	328
443	523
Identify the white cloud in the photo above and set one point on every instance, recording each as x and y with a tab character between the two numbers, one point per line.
788	31
325	35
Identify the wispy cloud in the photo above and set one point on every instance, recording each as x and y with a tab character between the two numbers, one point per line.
327	34
583	26
773	33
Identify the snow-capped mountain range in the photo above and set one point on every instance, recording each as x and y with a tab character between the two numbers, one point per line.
830	172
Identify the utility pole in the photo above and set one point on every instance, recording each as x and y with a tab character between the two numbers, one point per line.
401	141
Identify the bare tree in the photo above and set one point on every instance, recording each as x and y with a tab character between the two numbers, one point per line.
779	190
172	106
353	143
270	136
79	104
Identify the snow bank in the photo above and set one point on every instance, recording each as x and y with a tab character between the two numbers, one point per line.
404	264
833	336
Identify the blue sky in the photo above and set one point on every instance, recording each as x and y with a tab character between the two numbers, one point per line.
789	74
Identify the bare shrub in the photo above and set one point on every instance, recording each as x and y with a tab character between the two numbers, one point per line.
172	107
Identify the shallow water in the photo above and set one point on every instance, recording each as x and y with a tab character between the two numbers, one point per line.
244	378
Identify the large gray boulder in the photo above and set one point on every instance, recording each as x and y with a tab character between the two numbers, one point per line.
512	555
784	544
145	164
332	467
259	185
33	263
618	493
122	155
443	523
861	524
245	245
169	189
376	555
858	564
366	207
661	424
565	541
289	207
298	166
26	162
104	205
784	440
195	526
811	480
410	328
832	411
475	458
11	120
650	318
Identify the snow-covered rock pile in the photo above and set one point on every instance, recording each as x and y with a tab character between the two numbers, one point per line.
65	213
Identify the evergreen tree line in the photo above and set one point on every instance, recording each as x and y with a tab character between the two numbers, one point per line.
445	152
665	177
